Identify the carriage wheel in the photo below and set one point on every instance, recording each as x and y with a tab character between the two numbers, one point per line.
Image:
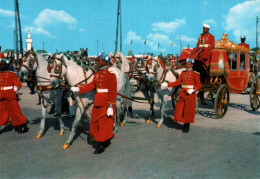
255	93
221	101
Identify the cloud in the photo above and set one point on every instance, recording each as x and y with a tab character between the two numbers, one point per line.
241	18
6	13
131	36
169	27
210	22
37	30
50	17
154	39
187	39
81	29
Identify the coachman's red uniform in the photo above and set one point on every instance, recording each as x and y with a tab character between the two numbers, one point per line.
186	103
208	40
244	45
105	84
205	44
9	106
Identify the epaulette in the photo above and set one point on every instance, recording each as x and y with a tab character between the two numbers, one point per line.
196	72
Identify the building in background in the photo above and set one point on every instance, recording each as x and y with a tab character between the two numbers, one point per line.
29	41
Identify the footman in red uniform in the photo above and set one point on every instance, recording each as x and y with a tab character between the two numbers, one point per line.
243	39
186	103
9	106
103	112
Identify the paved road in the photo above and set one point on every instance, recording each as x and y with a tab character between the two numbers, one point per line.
214	148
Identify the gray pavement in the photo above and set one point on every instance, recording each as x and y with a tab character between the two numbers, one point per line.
214	148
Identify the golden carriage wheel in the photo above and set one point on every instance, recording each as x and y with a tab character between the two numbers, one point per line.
221	101
254	96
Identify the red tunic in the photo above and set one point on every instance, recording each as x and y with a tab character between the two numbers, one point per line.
101	126
186	103
9	106
208	40
244	45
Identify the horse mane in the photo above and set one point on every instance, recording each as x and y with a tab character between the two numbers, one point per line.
78	62
161	63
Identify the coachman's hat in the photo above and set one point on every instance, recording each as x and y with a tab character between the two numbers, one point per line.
104	56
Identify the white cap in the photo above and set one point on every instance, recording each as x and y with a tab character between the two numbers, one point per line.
243	36
206	25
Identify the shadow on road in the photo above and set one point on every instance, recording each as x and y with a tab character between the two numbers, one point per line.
244	107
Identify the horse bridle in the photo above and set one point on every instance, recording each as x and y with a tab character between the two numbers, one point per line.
57	68
30	63
149	65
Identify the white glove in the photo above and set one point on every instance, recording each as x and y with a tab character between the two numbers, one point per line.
110	112
15	88
190	91
74	89
201	45
164	84
206	45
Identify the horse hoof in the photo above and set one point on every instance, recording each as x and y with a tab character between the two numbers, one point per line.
61	133
66	146
158	126
148	122
39	136
122	124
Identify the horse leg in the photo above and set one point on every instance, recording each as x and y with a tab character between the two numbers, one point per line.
118	115
150	96
42	125
73	127
124	111
163	98
58	110
151	99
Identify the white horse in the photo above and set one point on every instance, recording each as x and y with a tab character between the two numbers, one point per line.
138	78
157	73
33	61
68	67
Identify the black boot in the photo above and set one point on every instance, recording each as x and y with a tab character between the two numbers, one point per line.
22	128
106	144
186	128
100	148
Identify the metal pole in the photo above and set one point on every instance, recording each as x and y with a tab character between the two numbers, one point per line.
257	20
97	47
117	24
180	45
20	31
120	13
16	35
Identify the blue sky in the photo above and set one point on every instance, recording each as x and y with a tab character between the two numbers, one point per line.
74	24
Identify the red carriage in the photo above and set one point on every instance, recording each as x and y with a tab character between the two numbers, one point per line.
227	70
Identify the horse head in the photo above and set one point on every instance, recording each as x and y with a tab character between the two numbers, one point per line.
58	69
151	68
28	63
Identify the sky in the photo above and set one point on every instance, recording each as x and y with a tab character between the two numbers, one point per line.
173	24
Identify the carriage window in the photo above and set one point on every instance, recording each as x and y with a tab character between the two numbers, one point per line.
233	62
242	62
